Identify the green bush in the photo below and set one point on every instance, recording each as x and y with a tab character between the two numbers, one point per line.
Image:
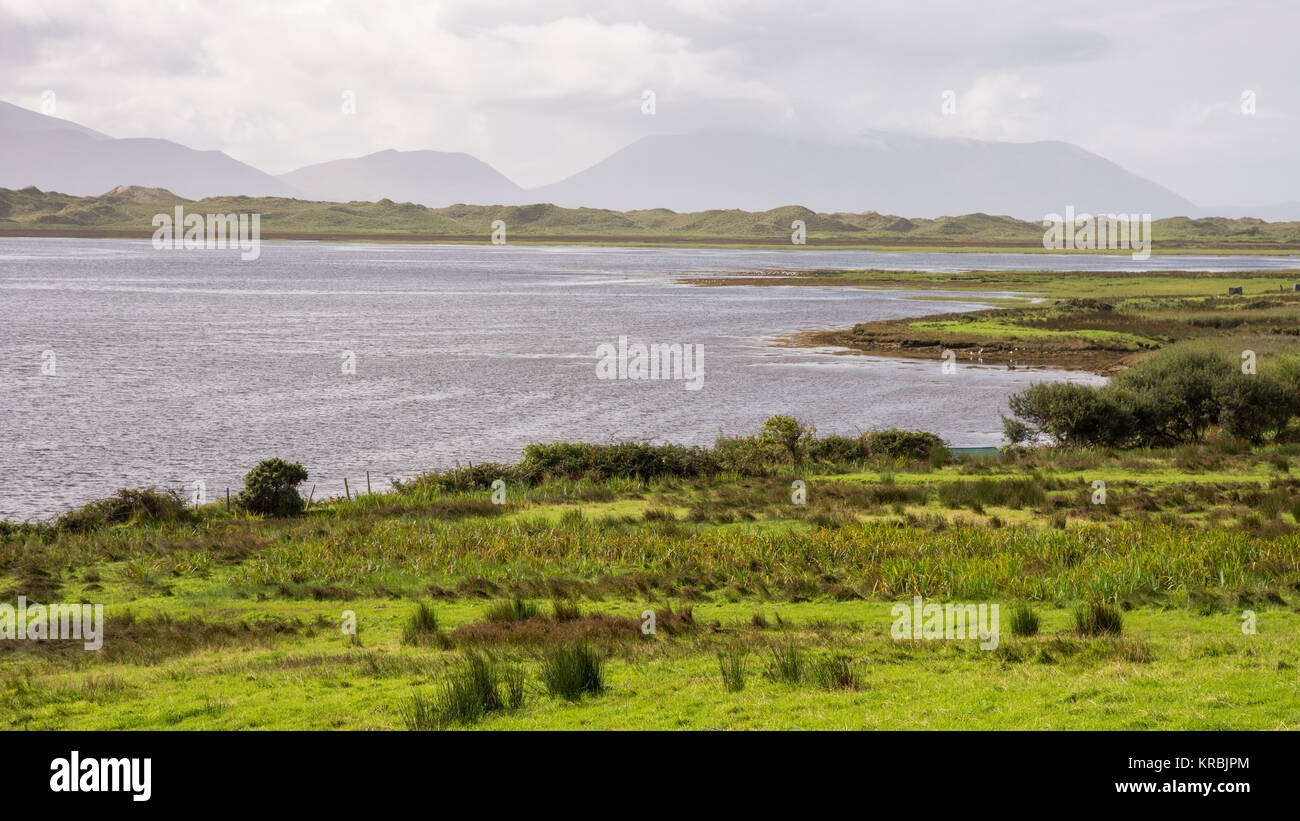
271	488
788	434
1175	398
909	445
149	504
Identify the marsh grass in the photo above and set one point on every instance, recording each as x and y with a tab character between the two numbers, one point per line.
512	610
573	670
731	664
480	686
786	664
1024	621
422	627
835	672
1098	619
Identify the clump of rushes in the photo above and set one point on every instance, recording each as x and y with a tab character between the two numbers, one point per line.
1024	621
422	627
512	610
469	694
572	670
1098	619
564	610
731	663
787	664
835	673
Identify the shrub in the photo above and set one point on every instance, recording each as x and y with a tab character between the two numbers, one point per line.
909	445
1072	415
1174	398
1252	407
149	504
271	488
624	460
788	434
569	671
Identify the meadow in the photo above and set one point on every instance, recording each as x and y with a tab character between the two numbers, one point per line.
770	611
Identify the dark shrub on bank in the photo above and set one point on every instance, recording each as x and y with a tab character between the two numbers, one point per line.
784	442
149	504
910	445
271	488
627	460
1172	399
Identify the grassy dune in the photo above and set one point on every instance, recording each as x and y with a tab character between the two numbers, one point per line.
128	212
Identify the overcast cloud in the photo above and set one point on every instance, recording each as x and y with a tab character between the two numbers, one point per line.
541	90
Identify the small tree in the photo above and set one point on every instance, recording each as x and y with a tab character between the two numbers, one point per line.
788	433
271	488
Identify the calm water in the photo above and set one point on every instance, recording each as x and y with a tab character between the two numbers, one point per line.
177	367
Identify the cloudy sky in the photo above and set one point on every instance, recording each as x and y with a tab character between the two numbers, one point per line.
543	89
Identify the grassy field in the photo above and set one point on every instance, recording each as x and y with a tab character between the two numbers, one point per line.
127	212
223	619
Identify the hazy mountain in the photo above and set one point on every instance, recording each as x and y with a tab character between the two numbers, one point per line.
891	173
432	178
58	155
918	177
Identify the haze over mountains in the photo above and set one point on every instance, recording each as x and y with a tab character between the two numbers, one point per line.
888	173
432	178
59	155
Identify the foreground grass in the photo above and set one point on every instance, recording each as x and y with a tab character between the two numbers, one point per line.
232	621
1174	669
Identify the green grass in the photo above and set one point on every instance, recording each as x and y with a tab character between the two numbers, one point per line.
769	614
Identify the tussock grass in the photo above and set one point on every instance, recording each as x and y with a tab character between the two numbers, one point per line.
1098	619
572	671
835	672
512	610
479	687
787	663
731	664
422	627
1024	621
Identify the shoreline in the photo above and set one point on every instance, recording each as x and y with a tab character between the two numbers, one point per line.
1285	249
1098	322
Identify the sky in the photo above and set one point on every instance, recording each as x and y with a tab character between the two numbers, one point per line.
1201	97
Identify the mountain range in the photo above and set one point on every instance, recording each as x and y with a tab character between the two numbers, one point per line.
923	177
